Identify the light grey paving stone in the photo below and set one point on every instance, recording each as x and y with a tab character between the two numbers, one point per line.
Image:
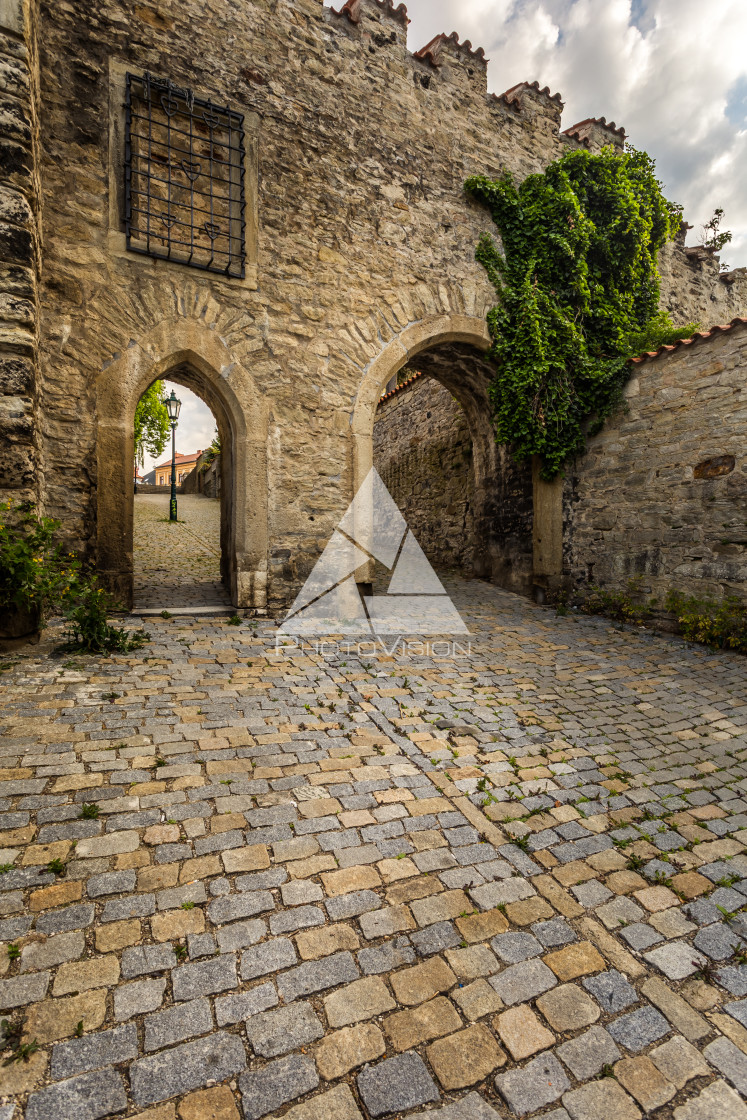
239	935
302	917
300	891
352	904
271	956
638	1029
242	1005
435	938
729	1060
203	944
138	998
716	1102
233	907
396	1084
12	928
515	947
717	941
489	895
93	1051
261	880
386	957
738	1011
173	897
621	910
177	1023
316	976
734	979
134	906
59	921
522	982
587	1053
538	1083
702	912
355	857
273	1033
142	960
20	990
554	933
55	950
612	990
186	1067
679	1061
676	959
640	936
267	1089
590	894
201	978
81	1098
111	882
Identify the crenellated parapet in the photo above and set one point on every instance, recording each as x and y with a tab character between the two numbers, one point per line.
529	99
596	133
456	61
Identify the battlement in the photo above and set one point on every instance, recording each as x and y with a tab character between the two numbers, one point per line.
352	10
530	99
596	133
442	45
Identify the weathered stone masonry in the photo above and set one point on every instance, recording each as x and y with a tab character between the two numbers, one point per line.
360	260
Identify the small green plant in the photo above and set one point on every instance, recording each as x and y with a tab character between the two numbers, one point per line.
56	867
635	862
621	606
719	624
188	905
607	1070
5	867
13	952
180	951
78	1032
521	842
89	812
160	762
166	614
36	573
234	620
88	626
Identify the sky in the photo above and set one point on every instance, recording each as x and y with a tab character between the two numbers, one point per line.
195	430
673	73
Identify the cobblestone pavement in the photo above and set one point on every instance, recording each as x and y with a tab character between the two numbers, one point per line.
243	884
177	564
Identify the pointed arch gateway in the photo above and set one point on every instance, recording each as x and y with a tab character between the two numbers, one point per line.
188	352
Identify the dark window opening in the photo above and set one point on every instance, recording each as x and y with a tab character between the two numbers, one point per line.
184	177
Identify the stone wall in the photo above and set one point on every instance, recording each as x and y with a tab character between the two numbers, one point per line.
19	249
423	452
364	259
662	490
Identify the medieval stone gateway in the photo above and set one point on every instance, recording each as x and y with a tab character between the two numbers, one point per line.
337	250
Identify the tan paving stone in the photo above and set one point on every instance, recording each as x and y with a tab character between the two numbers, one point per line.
161	834
392	870
319	807
157	878
691	884
202	867
209	1104
522	1032
422	981
177	923
117	935
441	907
315	943
625	882
466	1057
579	959
604	1098
305	868
254	857
568	1008
434	1019
483	926
656	898
54	1019
679	1061
42	854
80	976
472	962
529	910
23	1076
360	1000
57	894
335	1104
350	879
412	889
346	1049
645	1082
477	999
680	1014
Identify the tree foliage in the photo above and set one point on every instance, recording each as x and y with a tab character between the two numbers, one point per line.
577	288
151	423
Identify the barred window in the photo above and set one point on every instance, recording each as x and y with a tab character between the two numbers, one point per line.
184	177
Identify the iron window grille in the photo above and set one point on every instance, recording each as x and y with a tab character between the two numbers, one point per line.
184	177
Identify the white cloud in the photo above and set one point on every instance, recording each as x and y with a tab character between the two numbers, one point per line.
195	430
672	72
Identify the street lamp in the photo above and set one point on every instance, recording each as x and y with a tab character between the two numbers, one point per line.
172	407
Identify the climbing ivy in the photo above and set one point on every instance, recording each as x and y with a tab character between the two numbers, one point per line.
578	290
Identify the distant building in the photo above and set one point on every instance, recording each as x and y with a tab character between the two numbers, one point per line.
184	464
148	479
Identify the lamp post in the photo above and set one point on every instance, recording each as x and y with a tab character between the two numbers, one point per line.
172	407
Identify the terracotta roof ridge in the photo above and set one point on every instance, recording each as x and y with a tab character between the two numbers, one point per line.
601	121
352	9
398	388
431	51
545	90
699	336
